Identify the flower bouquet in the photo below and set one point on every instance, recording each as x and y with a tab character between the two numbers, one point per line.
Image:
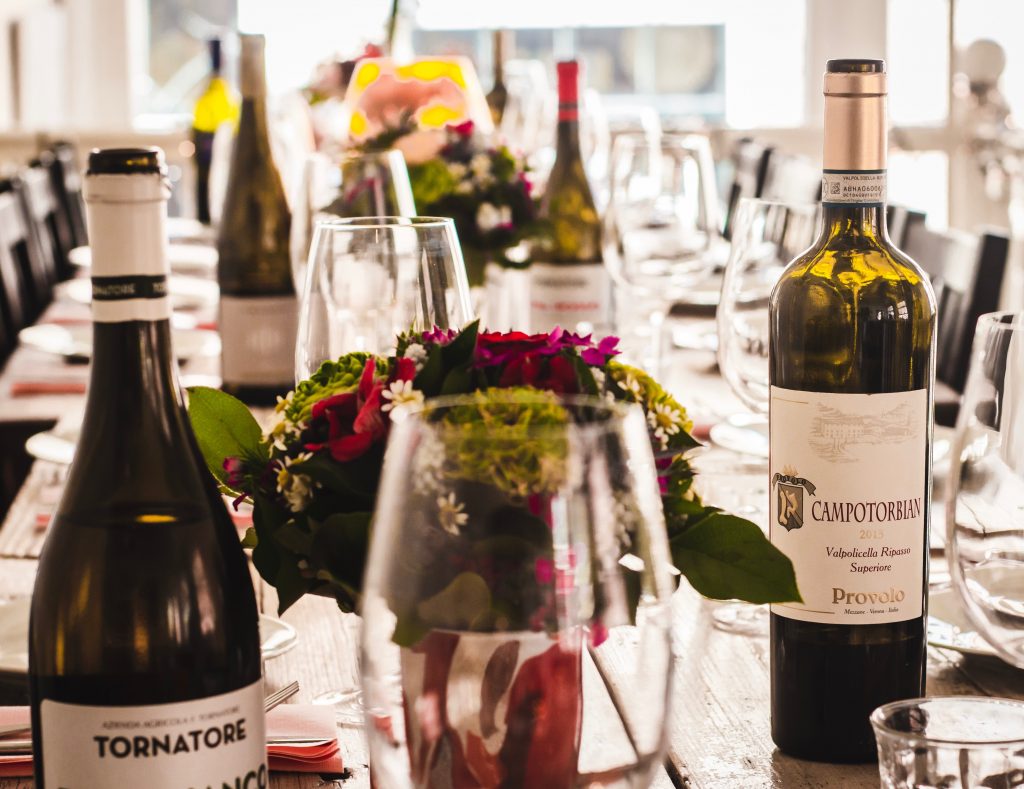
485	188
313	477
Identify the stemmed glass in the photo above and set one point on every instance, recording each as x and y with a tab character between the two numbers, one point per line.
985	513
766	237
372	278
533	547
349	186
661	223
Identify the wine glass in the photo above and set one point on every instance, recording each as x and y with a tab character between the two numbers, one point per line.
766	237
985	512
532	547
661	223
352	185
372	278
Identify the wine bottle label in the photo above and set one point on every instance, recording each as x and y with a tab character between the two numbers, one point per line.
848	492
216	741
568	295
258	339
853	187
140	297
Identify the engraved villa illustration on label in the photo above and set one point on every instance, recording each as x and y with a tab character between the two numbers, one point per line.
833	431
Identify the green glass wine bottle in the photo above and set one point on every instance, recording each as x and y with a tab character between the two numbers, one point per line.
258	306
851	357
569	286
144	648
216	105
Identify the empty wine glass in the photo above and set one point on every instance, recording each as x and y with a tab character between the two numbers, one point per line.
766	237
372	278
349	186
532	541
985	513
661	222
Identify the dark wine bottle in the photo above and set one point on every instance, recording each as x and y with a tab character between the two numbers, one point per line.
144	648
569	286
497	97
258	305
215	106
852	348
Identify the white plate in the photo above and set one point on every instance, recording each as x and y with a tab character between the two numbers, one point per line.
54	446
181	257
276	636
948	626
75	340
180	228
746	434
187	293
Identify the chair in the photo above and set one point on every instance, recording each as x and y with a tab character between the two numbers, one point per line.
14	289
33	251
751	161
899	220
791	179
966	272
54	227
66	177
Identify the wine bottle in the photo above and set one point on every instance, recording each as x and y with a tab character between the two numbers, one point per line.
851	357
258	305
569	286
497	97
144	649
215	106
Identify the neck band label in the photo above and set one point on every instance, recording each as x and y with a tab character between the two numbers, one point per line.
137	297
853	187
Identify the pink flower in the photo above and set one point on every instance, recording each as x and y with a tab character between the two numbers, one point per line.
235	469
421	146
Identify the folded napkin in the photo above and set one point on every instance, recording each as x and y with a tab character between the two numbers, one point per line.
29	388
314	722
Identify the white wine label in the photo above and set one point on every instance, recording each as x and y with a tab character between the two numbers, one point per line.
216	741
853	187
568	296
849	502
137	297
258	339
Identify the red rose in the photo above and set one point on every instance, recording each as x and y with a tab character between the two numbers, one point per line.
355	421
553	373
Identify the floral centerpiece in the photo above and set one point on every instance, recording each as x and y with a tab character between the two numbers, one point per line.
485	188
313	477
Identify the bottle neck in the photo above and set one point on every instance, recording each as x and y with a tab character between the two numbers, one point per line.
854	220
568	140
499	57
253	131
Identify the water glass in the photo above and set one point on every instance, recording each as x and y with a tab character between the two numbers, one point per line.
950	742
532	542
372	278
985	513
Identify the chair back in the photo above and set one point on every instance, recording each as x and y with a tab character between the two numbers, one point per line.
899	220
966	272
751	160
66	176
15	293
51	221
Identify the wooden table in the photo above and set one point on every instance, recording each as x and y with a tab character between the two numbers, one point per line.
719	725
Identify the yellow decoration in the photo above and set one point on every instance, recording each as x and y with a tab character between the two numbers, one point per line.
357	125
439	116
367	73
430	70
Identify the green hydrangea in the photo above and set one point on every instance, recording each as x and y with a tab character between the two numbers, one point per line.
431	181
513	439
332	378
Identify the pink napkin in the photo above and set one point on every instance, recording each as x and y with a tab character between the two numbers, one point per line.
288	720
29	388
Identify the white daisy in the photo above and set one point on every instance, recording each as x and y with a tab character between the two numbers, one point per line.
417	353
599	378
481	167
631	385
665	420
457	170
450	513
400	394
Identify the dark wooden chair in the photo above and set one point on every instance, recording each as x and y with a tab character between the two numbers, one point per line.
14	287
751	161
32	249
66	177
54	226
966	272
899	220
791	179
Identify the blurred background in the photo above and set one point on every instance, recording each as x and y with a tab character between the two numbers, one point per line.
101	72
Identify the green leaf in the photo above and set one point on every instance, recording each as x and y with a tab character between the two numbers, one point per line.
224	428
459	351
356	481
250	540
458	381
459	605
340	544
276	566
429	379
725	557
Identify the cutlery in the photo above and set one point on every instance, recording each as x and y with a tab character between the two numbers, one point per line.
281	695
